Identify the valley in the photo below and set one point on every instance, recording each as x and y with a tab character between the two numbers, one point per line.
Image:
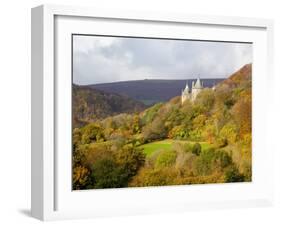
122	142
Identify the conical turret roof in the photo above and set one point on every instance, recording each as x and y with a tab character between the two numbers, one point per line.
186	89
198	84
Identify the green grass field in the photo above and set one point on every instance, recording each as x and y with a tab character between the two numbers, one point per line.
150	148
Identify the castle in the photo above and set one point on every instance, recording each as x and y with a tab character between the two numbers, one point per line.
191	94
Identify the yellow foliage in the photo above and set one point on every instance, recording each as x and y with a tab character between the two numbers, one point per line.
80	176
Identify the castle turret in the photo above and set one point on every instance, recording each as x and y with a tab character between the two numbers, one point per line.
185	94
196	88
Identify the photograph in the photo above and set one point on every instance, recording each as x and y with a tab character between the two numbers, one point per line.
149	111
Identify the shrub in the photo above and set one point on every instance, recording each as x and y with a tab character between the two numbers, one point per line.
222	159
211	160
195	135
246	169
232	174
221	142
166	158
196	149
188	147
154	177
203	164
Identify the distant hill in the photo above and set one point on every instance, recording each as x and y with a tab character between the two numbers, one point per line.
150	91
90	104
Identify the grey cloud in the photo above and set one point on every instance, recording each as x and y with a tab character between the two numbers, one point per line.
103	59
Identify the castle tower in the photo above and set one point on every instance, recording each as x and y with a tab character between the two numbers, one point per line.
196	88
185	94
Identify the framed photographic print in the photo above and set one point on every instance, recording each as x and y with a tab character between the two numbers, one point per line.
136	113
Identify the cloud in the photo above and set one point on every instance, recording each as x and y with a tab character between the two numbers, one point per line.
109	59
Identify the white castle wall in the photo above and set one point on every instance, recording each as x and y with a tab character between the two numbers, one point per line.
194	92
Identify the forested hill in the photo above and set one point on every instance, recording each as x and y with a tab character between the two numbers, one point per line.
210	141
151	91
242	77
90	104
95	102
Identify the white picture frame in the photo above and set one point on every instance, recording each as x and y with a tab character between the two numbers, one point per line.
51	196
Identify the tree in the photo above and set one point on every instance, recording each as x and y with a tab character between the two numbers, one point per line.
154	131
196	149
136	126
154	177
107	174
220	142
130	159
242	113
91	133
206	99
199	121
222	159
150	113
80	177
198	124
212	160
209	133
232	175
76	138
178	132
229	132
223	95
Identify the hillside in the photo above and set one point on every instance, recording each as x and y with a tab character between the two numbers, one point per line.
208	140
90	104
240	78
151	91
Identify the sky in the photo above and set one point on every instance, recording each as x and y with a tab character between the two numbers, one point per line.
100	59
